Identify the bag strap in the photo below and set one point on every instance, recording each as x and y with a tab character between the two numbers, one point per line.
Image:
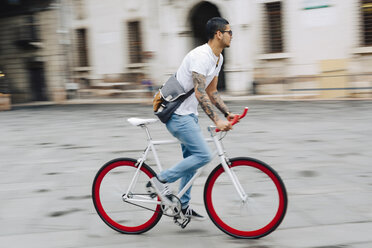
189	93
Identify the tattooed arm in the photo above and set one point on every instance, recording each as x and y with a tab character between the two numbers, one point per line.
205	102
215	97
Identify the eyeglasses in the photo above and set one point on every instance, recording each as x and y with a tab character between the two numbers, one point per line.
227	31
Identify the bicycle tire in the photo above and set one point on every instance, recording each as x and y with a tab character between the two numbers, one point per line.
257	217
108	201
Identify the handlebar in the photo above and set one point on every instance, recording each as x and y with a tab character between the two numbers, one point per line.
236	118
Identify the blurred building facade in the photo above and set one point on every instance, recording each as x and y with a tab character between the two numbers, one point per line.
33	60
313	47
148	39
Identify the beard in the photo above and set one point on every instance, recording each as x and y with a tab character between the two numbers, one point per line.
227	45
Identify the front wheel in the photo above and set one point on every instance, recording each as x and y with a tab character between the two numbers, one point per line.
262	211
109	188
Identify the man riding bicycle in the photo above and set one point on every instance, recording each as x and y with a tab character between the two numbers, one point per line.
199	70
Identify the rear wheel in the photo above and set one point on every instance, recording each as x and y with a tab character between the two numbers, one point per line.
264	208
109	187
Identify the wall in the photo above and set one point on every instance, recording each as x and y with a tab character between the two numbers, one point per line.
311	37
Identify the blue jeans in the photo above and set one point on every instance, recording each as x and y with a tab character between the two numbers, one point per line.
196	152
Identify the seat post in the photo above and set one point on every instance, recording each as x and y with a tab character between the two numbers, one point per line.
147	132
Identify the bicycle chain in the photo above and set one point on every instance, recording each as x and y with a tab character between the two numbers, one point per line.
147	207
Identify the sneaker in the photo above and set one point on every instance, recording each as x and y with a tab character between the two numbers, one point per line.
162	189
189	212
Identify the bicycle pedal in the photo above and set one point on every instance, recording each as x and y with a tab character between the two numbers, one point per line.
184	222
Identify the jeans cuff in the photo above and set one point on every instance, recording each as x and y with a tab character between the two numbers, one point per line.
161	179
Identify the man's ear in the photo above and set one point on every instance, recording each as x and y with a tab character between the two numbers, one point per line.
218	35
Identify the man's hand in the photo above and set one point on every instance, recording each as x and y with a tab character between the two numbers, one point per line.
223	125
231	117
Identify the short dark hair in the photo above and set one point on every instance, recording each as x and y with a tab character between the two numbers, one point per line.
215	24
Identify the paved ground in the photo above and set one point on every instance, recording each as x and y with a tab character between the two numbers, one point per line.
49	156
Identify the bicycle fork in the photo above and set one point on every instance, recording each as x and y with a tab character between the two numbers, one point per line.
239	189
225	164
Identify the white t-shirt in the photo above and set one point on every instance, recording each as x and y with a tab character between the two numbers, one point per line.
203	61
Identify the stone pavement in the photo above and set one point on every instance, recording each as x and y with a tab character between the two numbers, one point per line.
49	156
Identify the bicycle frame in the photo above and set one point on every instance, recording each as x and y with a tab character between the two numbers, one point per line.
236	214
219	151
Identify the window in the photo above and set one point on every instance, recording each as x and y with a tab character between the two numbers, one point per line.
366	14
82	48
135	42
28	30
273	27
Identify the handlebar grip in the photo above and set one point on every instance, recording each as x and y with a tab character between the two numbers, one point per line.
244	113
236	118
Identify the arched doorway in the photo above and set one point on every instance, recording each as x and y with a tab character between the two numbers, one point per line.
199	15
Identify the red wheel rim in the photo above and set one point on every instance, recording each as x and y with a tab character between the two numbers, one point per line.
256	233
101	210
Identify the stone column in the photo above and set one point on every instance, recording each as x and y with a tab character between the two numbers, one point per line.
239	69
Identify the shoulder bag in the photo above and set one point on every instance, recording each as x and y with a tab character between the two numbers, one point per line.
169	97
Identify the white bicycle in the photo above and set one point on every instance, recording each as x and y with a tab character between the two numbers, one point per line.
244	197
